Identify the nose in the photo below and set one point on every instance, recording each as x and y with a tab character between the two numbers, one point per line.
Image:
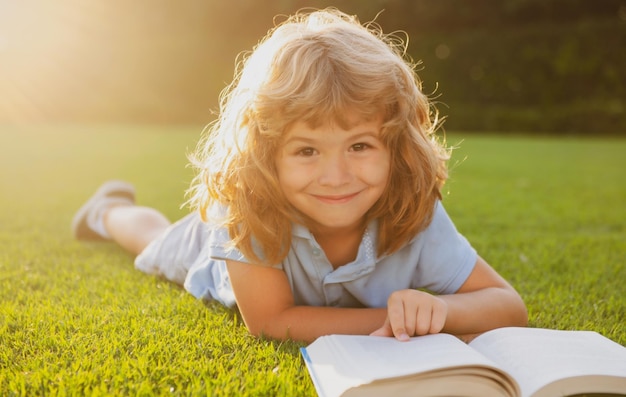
335	170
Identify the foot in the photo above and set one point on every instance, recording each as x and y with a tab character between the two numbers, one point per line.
88	222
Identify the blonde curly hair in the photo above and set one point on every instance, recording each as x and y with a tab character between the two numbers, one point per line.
314	67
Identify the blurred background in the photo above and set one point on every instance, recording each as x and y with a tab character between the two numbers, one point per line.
532	66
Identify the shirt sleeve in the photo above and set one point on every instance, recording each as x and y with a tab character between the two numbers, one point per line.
221	249
219	246
446	258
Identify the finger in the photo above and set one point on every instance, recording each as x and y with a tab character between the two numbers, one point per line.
385	330
401	335
381	332
424	319
396	318
410	316
438	321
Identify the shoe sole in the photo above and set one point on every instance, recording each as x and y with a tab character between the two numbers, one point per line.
114	188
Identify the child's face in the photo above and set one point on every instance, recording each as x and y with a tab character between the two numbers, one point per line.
333	175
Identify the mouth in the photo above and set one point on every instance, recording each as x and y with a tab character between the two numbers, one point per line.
336	199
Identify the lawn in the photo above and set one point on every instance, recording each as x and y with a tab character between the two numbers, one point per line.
75	318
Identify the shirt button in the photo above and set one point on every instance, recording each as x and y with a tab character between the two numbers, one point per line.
317	251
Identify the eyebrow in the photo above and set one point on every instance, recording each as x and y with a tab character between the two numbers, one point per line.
306	139
297	138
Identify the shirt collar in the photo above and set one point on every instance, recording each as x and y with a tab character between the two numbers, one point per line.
368	244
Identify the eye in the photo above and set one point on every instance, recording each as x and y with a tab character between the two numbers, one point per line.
306	152
358	147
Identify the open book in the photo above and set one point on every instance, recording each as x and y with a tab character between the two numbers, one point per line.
513	362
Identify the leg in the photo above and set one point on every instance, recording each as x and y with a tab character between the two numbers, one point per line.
134	227
111	214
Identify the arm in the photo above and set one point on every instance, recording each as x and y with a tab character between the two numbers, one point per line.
267	306
485	301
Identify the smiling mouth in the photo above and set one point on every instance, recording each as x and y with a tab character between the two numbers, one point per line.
336	199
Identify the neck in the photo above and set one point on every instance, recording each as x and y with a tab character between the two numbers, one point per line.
340	245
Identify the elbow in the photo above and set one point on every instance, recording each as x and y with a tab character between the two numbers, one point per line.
269	332
519	316
260	331
524	316
278	325
513	308
257	332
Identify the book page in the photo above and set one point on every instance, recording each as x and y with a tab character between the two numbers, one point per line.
338	362
448	383
537	357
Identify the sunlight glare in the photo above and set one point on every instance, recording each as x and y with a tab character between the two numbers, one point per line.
54	57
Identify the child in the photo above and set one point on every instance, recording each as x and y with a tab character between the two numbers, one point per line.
318	199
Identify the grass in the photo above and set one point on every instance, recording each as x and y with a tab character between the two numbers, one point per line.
77	319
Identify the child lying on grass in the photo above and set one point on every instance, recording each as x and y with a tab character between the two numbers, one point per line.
317	199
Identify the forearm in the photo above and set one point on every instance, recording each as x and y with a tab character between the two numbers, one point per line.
306	323
479	311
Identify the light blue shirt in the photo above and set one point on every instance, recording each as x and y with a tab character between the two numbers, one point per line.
438	259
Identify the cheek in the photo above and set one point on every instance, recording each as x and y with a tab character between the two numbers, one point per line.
379	171
289	178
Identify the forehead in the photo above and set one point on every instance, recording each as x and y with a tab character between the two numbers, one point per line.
330	135
346	120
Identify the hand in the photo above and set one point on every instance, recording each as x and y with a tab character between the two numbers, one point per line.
411	313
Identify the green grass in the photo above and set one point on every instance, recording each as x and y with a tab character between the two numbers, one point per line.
76	318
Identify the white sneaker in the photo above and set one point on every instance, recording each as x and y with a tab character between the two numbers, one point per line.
88	224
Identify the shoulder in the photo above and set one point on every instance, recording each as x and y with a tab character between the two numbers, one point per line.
440	244
442	257
440	225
